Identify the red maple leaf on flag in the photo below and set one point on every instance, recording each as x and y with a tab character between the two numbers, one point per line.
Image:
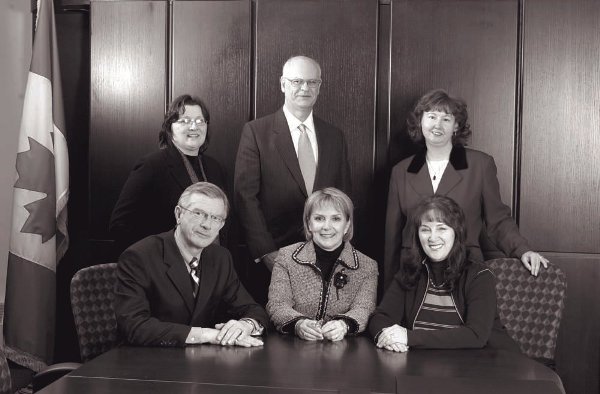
36	173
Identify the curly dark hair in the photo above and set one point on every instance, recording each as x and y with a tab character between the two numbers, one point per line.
439	100
437	209
176	109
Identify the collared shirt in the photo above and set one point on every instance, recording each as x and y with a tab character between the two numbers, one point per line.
293	124
187	256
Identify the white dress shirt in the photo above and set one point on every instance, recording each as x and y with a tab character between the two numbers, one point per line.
293	124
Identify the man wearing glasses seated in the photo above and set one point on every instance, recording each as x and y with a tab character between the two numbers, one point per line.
174	288
282	158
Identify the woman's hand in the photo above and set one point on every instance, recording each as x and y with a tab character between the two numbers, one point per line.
532	261
394	338
309	330
335	330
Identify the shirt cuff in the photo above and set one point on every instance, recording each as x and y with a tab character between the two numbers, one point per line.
194	337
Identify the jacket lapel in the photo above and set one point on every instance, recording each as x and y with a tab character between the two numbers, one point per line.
208	280
323	145
452	176
177	168
177	272
418	175
285	146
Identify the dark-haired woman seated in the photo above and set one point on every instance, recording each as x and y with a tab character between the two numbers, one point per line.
439	299
323	288
151	192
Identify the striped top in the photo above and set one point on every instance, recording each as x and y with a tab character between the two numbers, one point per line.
438	311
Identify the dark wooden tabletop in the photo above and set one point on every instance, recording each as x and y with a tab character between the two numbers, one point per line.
290	365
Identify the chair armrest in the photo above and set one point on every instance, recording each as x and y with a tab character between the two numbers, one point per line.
51	373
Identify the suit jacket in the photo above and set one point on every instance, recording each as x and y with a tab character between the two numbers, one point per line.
470	180
268	185
154	299
147	202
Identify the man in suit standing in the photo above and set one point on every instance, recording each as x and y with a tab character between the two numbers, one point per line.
174	287
282	158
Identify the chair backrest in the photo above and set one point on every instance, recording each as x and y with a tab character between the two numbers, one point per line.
530	307
92	298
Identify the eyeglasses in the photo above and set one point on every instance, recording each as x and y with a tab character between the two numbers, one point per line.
189	121
202	216
311	83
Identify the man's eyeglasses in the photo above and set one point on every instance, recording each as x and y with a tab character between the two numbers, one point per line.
202	216
189	121
311	83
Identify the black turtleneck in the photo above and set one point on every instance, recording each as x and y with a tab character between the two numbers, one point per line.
326	260
437	270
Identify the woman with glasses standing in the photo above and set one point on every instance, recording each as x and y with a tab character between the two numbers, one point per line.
150	194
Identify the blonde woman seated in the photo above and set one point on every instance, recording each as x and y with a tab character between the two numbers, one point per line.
439	299
323	288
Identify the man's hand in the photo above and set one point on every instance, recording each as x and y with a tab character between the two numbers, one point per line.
269	260
229	332
309	330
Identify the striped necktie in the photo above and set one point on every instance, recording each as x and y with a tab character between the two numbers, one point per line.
306	159
195	274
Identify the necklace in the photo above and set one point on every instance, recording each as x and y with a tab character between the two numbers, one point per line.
436	168
442	285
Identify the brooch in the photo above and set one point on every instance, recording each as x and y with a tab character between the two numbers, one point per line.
340	279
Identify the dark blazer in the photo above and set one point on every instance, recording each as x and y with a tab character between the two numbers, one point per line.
154	299
268	185
474	296
469	179
147	202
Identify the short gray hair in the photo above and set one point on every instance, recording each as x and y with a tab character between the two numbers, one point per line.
206	189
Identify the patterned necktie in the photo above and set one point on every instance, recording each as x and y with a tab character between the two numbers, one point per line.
195	274
306	159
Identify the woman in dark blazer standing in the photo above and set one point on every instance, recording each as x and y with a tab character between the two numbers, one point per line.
445	167
151	192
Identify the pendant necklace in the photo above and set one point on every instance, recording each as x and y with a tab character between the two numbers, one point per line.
436	170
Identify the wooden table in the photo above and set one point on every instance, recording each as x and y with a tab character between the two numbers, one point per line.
290	365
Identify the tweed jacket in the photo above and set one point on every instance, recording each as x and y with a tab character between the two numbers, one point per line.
297	290
469	179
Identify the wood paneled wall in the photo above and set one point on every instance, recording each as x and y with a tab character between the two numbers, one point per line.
127	97
528	69
468	48
211	58
561	121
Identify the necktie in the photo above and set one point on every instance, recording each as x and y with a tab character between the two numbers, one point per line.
195	274
306	159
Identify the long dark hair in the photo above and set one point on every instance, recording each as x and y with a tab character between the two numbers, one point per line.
439	100
176	109
435	209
